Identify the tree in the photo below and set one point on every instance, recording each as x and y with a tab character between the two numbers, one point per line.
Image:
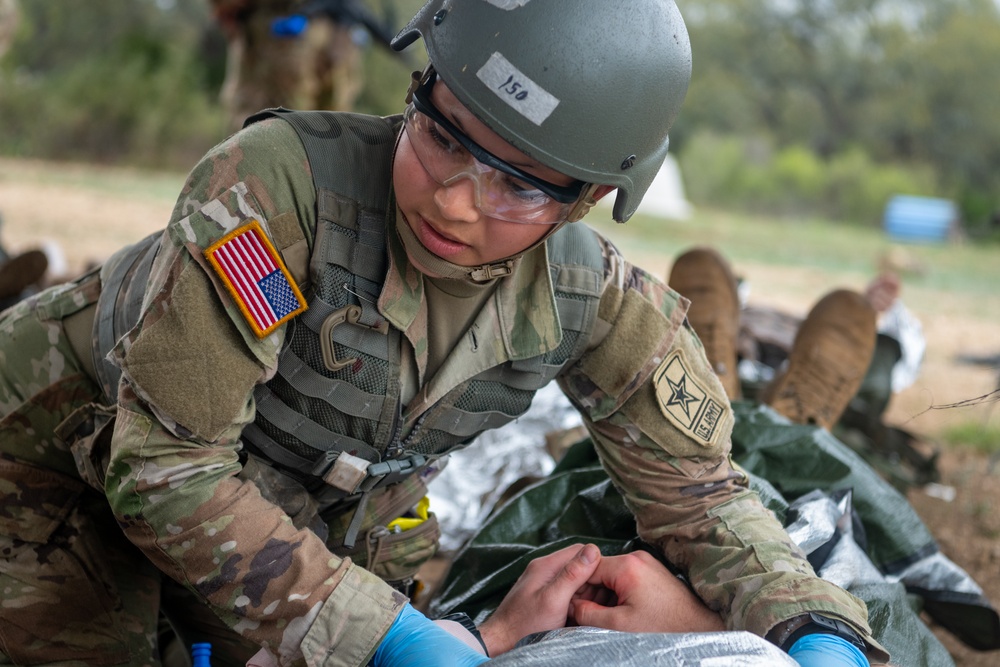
910	81
119	80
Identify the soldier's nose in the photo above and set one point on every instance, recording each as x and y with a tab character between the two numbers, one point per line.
457	201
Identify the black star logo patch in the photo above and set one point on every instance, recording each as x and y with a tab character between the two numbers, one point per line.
679	395
694	407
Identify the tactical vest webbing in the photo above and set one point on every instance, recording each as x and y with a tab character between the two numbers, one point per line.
124	277
336	394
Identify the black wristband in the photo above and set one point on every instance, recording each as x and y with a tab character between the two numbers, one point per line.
824	625
466	622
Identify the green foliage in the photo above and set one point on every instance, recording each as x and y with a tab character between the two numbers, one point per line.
858	189
795	107
800	173
974	435
157	117
712	165
387	78
387	74
911	83
58	35
137	81
140	100
751	176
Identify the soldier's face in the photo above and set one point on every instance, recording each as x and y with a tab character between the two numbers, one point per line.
446	218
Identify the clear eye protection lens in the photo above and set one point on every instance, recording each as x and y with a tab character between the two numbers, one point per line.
498	194
477	185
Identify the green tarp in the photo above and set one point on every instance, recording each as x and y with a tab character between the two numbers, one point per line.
577	503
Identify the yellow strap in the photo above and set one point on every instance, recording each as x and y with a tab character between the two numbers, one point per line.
404	523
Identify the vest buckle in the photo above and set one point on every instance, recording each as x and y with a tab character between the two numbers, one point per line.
352	315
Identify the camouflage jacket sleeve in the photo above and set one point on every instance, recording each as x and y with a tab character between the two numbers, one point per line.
189	369
661	423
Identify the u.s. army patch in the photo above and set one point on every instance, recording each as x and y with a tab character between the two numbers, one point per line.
257	279
685	402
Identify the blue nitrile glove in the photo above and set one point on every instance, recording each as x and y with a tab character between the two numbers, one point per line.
826	651
414	640
289	26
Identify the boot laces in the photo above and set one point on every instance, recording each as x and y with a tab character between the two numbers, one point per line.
818	390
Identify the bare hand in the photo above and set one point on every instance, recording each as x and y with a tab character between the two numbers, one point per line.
882	291
636	593
540	598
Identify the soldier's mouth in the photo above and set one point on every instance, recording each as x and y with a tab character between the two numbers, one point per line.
437	242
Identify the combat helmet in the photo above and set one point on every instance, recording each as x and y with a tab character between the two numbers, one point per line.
589	88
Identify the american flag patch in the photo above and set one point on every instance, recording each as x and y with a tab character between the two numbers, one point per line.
254	274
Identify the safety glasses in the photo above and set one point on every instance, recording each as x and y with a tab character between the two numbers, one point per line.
502	190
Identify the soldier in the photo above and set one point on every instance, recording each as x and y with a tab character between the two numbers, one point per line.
226	420
320	68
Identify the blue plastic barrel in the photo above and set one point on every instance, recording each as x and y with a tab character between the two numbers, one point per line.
919	219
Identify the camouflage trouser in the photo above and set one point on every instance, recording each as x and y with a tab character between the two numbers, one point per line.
319	69
73	590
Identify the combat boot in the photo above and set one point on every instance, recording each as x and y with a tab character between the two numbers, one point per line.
831	353
704	277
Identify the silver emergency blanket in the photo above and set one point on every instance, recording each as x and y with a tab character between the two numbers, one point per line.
937	573
573	647
472	482
821	518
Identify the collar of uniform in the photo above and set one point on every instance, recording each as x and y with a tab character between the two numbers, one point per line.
526	305
404	285
525	301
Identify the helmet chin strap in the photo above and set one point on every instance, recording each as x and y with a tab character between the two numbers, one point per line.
434	266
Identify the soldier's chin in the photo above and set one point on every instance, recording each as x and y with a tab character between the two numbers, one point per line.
423	259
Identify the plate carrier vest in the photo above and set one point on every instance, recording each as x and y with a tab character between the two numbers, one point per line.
336	394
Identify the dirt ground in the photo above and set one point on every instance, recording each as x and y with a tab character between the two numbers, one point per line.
87	223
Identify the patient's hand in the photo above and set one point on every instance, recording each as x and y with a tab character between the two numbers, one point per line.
635	593
540	598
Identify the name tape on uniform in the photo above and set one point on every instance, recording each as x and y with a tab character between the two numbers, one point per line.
685	402
515	88
257	279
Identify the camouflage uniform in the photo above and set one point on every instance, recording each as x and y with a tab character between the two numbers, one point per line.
318	69
193	504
